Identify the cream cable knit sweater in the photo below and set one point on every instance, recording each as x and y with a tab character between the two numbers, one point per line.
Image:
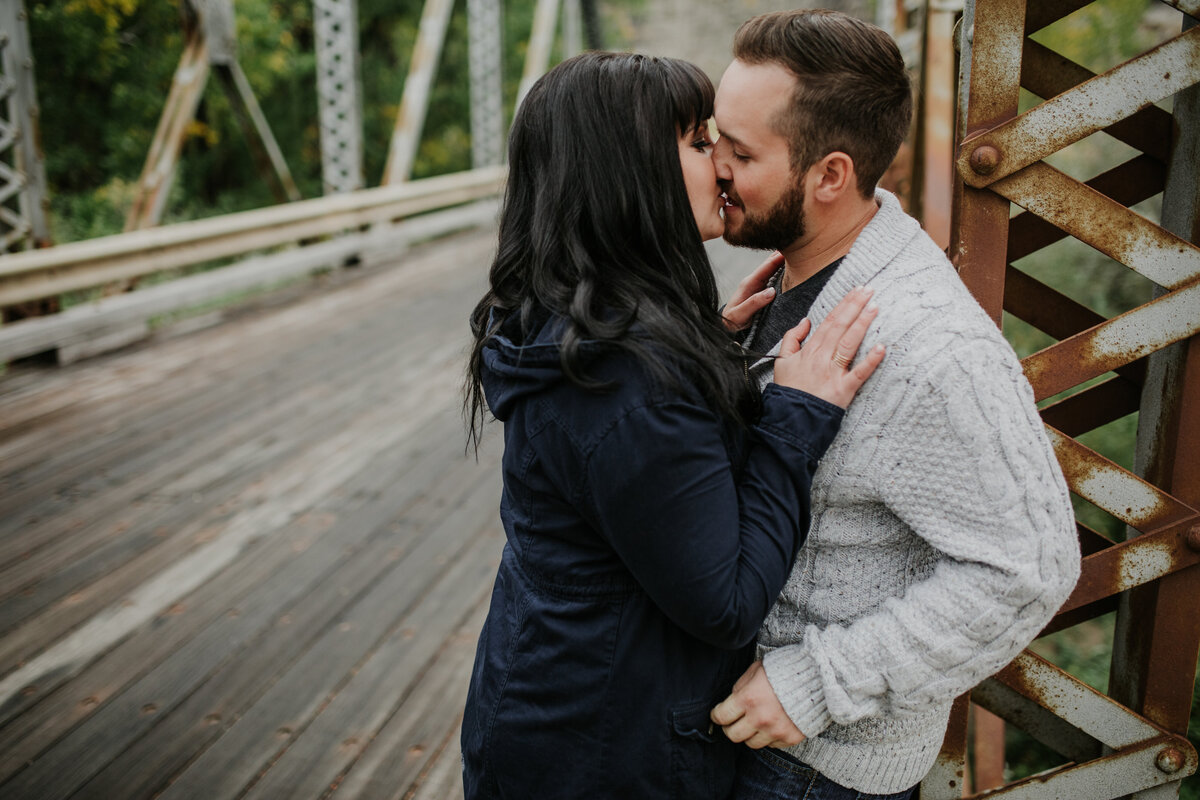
942	538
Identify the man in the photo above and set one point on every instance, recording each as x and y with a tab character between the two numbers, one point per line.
942	537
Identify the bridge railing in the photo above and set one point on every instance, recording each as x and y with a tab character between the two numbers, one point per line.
37	274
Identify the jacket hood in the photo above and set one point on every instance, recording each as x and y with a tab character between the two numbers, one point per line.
518	363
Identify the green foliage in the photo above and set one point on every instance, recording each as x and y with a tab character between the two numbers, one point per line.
1100	35
104	69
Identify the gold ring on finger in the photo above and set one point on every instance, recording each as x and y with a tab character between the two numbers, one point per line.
842	361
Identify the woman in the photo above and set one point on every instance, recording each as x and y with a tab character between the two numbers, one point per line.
652	507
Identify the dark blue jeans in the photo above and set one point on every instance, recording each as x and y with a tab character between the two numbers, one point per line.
774	775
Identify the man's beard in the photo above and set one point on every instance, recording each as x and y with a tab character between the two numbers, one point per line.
778	228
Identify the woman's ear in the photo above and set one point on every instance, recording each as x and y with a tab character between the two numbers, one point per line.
831	177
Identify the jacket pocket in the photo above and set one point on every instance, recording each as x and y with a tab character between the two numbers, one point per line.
702	759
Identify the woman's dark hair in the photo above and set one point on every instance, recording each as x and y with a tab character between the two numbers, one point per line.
597	228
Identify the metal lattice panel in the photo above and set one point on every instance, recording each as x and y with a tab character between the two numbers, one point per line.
336	26
1129	741
23	222
487	111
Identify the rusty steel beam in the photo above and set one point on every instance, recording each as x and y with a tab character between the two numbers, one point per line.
1136	562
1076	703
947	780
991	68
1118	491
1052	702
1089	107
1048	74
1114	343
987	756
1145	754
1047	309
937	122
268	158
1130	183
1069	619
1190	7
1103	223
1034	719
1154	762
1052	312
1155	645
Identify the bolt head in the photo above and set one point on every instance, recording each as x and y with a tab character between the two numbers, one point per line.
1169	760
1193	538
984	159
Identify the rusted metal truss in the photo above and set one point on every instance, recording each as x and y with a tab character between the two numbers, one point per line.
1132	740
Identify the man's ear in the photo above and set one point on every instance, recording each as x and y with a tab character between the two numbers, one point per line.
831	177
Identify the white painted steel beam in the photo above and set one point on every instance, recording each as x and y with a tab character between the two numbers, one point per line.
335	24
487	101
410	120
541	39
24	174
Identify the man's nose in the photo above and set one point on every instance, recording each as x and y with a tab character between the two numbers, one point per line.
721	165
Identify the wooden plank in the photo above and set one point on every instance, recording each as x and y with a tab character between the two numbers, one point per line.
184	394
450	385
414	483
211	660
141	452
390	678
261	735
178	366
323	442
443	778
207	464
409	750
198	551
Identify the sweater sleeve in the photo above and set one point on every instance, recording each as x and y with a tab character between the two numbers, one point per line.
711	552
967	467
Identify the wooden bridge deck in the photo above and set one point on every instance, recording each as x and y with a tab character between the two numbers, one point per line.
251	561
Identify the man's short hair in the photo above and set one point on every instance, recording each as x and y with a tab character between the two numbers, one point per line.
852	91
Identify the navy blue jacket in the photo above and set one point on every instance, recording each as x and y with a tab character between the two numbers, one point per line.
646	541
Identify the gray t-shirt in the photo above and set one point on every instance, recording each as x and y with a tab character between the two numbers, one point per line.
787	309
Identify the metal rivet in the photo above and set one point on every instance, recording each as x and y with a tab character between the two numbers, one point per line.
1169	760
1193	538
984	159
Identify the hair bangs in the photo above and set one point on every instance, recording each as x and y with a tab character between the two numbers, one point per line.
691	93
